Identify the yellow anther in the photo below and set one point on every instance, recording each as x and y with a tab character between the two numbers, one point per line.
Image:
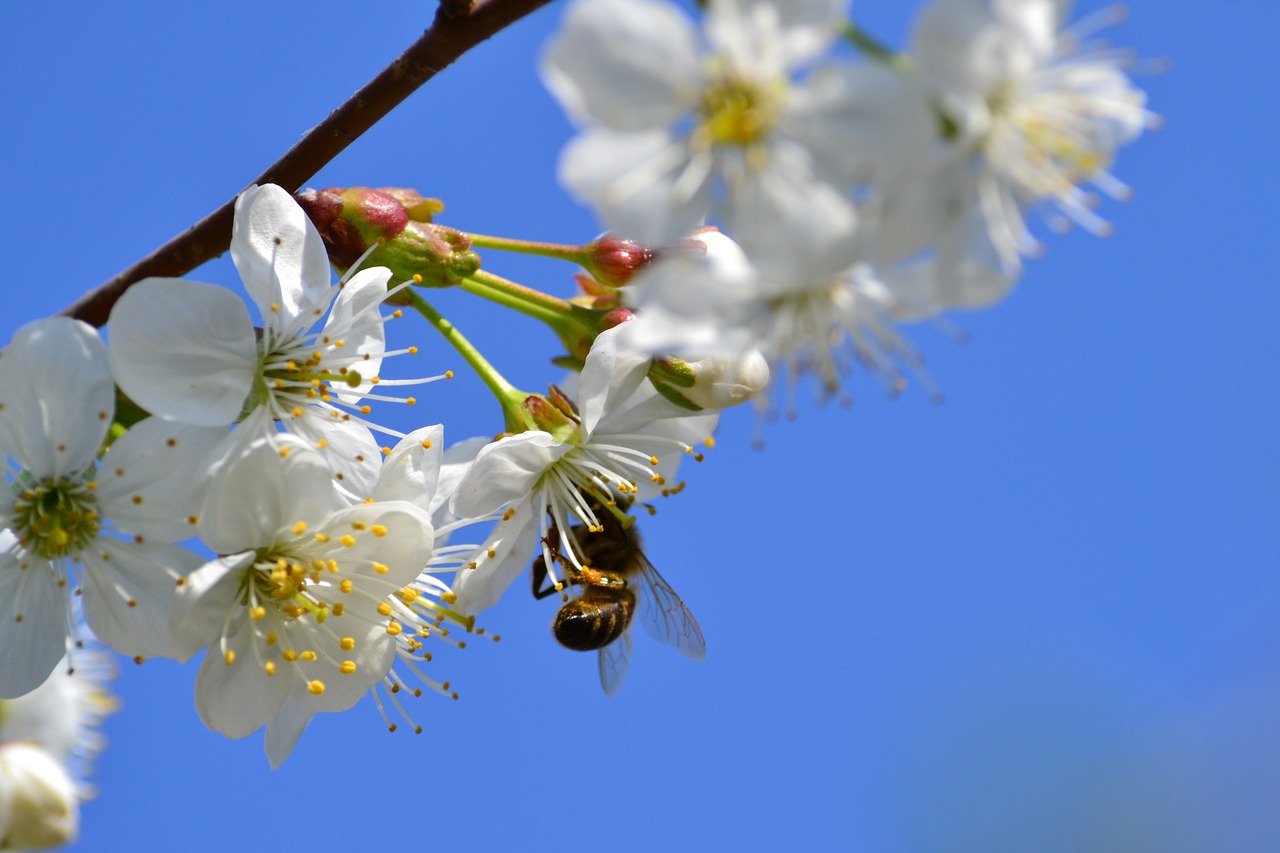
347	667
257	613
380	568
229	658
348	643
271	638
270	667
290	655
347	540
338	609
322	538
315	688
384	609
308	655
345	585
379	530
393	628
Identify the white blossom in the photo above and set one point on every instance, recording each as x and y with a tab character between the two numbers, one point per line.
102	528
626	440
296	608
1034	114
674	131
189	352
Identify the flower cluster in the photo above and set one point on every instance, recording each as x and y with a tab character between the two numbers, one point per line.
861	194
210	480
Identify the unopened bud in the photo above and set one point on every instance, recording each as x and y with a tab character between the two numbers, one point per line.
398	223
711	383
544	414
39	804
613	260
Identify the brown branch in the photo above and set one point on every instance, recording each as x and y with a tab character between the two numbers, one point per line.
446	40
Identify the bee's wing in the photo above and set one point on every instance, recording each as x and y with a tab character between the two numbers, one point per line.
664	615
614	660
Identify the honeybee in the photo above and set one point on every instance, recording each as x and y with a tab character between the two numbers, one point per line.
616	579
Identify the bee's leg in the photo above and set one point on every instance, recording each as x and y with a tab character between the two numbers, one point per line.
539	578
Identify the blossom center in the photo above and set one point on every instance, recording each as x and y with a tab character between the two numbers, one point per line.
56	518
1049	140
738	112
283	580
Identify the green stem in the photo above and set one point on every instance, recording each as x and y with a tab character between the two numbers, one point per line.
509	397
561	251
534	303
574	325
874	48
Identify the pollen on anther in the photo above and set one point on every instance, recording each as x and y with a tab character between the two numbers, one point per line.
270	667
315	688
380	568
379	530
347	540
299	528
348	643
348	667
257	613
448	374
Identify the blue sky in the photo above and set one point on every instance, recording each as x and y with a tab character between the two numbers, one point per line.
1044	614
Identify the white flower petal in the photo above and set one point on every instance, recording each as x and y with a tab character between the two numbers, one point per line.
624	64
634	182
238	698
502	559
262	489
284	730
612	373
355	320
411	472
34	643
457	461
349	449
505	472
56	396
793	227
183	350
279	255
149	482
201	605
128	593
861	122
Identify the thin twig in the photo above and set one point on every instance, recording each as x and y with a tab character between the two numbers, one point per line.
445	41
